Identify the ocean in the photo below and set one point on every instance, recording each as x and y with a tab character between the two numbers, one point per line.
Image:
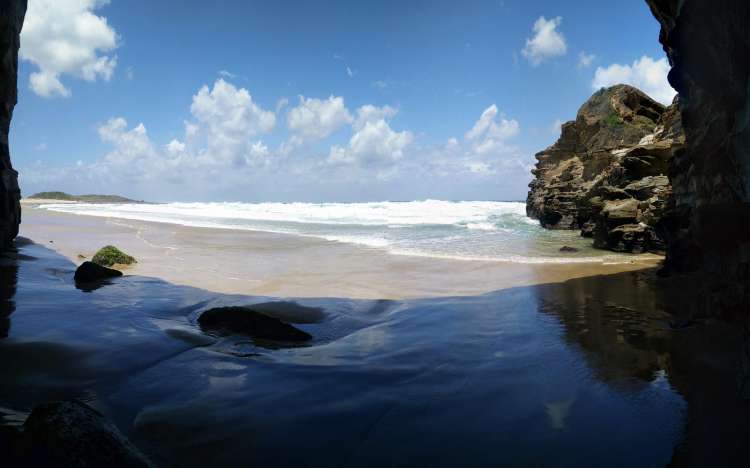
462	230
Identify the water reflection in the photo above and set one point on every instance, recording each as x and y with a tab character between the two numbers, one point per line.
545	376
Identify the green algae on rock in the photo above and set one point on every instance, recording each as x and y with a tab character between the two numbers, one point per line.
110	255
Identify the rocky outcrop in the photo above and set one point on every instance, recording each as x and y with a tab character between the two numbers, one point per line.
707	221
607	174
12	13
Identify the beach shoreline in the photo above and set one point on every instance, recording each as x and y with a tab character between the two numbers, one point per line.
263	263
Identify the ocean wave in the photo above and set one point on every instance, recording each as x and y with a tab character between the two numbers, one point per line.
465	230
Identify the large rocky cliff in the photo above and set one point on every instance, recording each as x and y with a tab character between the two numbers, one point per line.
607	174
707	224
12	13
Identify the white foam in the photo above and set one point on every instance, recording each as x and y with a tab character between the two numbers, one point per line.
466	230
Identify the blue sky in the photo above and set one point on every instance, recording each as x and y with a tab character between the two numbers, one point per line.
313	101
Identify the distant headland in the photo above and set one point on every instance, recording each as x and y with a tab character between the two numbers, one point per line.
45	197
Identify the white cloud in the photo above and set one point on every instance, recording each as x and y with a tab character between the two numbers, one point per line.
227	74
374	142
585	60
228	117
175	147
491	131
380	84
646	74
350	72
315	119
546	43
41	147
65	37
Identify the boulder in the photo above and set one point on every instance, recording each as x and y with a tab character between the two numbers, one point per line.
90	272
72	434
244	320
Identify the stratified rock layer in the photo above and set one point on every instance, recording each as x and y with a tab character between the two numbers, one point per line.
707	223
12	13
607	174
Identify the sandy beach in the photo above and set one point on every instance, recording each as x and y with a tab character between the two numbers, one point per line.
261	263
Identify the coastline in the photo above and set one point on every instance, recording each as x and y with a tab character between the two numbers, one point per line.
262	263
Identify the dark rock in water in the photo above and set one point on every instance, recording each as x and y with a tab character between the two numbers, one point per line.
72	434
12	14
82	257
679	324
110	255
90	272
743	375
566	248
608	169
247	321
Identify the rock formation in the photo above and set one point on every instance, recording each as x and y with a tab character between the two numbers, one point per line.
12	13
607	174
707	221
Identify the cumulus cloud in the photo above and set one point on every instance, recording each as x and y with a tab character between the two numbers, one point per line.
547	42
491	131
314	119
228	117
374	142
585	60
65	37
647	74
485	154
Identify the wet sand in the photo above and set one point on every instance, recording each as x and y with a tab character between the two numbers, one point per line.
245	262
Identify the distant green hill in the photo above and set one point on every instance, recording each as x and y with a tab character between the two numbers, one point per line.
84	198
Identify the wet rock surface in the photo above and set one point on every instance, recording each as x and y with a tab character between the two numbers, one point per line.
250	321
90	272
72	434
607	174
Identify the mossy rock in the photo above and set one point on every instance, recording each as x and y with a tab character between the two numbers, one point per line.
109	255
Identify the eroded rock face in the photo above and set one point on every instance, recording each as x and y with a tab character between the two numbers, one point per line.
12	13
707	222
607	174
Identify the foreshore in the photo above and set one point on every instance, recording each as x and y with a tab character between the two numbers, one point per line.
262	263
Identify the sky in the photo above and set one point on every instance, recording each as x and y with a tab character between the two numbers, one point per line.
313	101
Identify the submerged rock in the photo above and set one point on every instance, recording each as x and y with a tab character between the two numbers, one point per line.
244	320
566	248
90	272
608	169
72	434
110	255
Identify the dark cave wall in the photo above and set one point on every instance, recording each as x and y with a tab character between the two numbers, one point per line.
12	13
707	226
